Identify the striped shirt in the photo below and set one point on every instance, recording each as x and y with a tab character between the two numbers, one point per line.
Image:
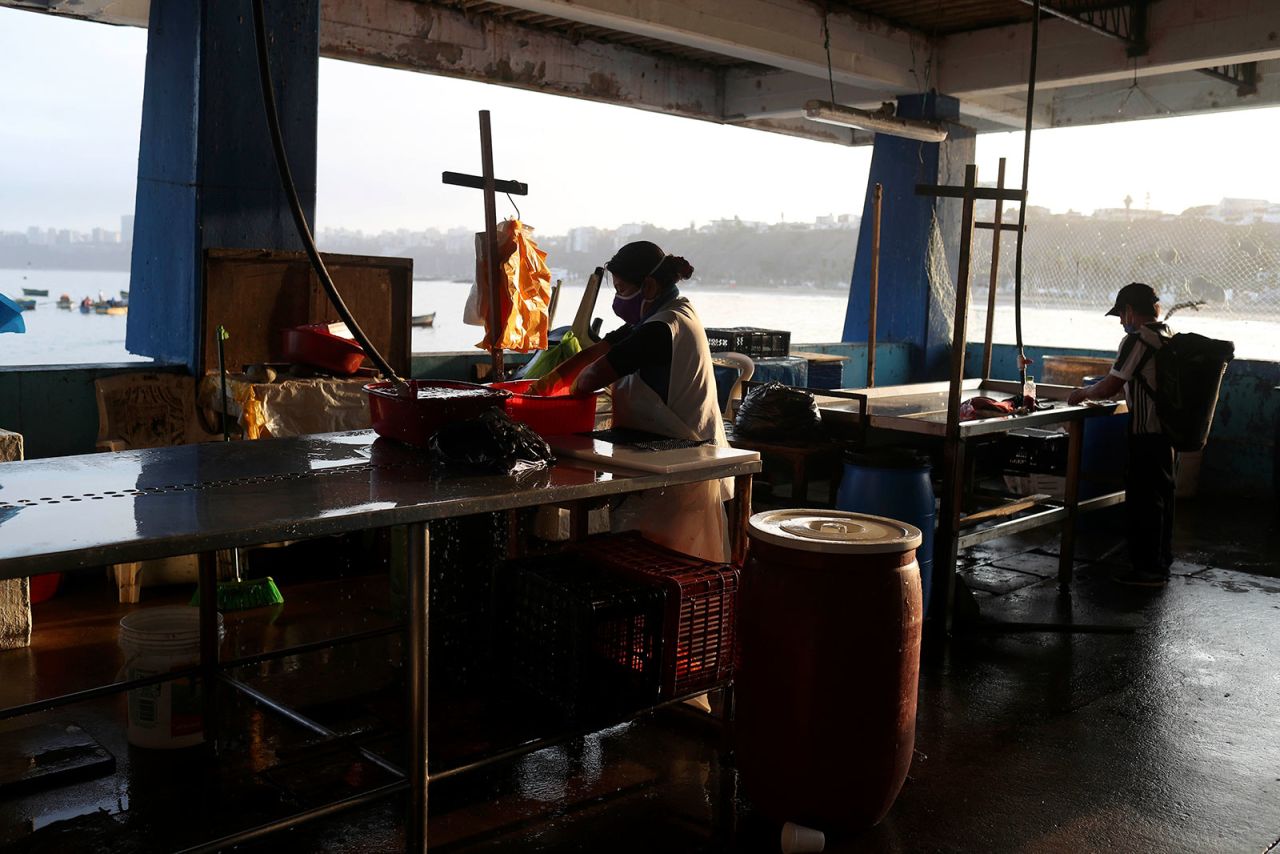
1136	365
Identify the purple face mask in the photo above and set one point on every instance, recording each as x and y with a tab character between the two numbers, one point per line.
628	308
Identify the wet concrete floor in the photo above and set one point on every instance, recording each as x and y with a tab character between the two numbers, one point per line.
1160	731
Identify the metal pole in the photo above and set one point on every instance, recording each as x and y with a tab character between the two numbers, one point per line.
742	519
996	232
491	247
1071	501
418	590
953	492
877	197
208	586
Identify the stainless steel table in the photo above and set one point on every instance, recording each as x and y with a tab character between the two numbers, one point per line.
924	410
86	511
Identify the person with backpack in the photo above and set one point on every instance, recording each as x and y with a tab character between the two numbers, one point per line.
1151	470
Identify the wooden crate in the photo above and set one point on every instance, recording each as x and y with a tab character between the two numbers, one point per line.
257	293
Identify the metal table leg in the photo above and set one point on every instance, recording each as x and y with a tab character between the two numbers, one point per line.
1071	501
209	643
947	543
418	589
742	516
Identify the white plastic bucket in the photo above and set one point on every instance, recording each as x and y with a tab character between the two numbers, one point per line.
159	640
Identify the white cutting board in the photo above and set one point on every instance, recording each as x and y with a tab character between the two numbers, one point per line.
608	455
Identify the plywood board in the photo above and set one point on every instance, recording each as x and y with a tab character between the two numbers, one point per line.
257	293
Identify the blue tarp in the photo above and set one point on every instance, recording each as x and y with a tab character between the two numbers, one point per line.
11	316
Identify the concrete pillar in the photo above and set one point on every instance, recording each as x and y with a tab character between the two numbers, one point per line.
206	175
907	311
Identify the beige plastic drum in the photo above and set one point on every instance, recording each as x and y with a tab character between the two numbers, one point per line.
834	532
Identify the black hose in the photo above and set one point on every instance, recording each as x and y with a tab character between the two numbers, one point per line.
1022	208
295	205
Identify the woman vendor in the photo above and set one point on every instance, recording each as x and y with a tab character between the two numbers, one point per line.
659	365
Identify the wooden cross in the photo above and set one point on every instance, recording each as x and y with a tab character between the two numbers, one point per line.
969	193
997	226
486	182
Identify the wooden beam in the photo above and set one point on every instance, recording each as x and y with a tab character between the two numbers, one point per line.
1185	94
785	34
1183	35
750	93
438	40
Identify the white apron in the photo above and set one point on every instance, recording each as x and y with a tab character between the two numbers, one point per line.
689	518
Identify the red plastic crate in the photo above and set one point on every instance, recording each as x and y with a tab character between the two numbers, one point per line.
583	639
702	599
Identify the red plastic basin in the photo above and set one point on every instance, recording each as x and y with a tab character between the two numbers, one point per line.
413	420
550	416
44	586
316	346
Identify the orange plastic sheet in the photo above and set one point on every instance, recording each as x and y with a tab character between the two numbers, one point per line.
525	291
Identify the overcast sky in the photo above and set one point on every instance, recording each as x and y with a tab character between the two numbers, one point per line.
70	108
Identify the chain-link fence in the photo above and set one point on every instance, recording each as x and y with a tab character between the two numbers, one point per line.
1074	264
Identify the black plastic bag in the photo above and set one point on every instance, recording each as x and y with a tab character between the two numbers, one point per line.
492	442
776	411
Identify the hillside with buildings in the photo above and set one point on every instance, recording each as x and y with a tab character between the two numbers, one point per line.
1227	254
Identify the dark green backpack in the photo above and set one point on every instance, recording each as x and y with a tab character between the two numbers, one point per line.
1189	371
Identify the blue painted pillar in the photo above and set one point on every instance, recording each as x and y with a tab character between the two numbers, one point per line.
907	311
206	175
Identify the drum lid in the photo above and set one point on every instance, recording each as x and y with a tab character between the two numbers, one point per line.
834	532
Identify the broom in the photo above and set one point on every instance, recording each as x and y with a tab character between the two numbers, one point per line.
238	594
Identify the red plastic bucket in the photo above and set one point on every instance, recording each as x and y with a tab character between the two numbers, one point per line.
549	416
413	420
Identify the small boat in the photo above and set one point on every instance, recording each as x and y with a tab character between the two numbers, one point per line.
34	292
423	319
64	302
86	306
26	303
111	306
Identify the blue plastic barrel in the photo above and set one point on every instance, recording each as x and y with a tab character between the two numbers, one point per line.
895	483
1103	452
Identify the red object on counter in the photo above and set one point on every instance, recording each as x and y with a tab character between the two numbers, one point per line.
434	403
316	346
551	415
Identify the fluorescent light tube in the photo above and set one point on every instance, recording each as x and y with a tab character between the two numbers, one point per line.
881	121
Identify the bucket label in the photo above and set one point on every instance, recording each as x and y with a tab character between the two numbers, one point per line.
185	708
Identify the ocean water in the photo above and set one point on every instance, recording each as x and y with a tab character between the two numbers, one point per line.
55	336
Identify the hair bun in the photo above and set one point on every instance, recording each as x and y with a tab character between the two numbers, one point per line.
683	269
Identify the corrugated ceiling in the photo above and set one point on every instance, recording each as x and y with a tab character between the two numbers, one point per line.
941	17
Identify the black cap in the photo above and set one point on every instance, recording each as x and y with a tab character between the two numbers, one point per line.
1138	295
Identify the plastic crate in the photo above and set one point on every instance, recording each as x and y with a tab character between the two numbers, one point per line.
702	599
588	642
750	341
1030	450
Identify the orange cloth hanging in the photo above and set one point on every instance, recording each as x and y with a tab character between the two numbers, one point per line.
525	292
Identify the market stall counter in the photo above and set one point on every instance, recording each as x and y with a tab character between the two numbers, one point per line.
87	511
